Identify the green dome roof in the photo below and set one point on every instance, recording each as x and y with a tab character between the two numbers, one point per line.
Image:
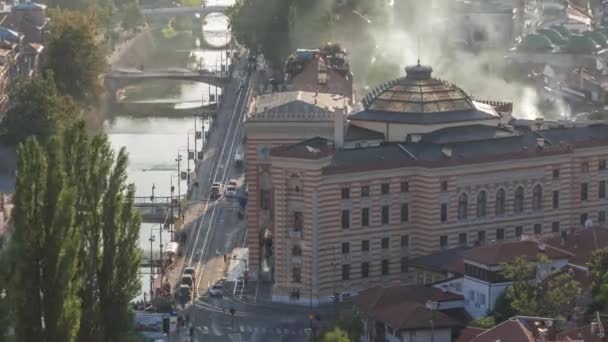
535	42
555	37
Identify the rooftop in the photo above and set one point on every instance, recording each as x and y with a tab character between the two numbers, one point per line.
466	145
594	332
418	98
449	260
404	307
516	329
496	254
296	106
307	79
355	133
314	148
581	243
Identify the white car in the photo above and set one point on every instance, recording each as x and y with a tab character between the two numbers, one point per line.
216	291
230	188
216	191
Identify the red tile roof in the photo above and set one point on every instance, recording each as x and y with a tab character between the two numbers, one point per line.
516	329
581	243
495	254
307	80
404	307
585	334
468	333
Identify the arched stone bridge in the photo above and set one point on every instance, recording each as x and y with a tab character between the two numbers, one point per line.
117	79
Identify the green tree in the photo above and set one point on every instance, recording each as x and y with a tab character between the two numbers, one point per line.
503	309
485	322
44	247
37	109
132	17
560	296
598	266
75	55
523	292
336	335
352	324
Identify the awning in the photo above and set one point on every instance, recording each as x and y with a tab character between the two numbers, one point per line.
172	248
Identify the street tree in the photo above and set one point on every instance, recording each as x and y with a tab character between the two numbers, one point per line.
523	291
560	295
76	55
598	266
352	324
485	322
336	335
44	246
109	256
132	18
36	109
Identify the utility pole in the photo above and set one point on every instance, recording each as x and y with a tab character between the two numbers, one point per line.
188	157
171	228
162	269
179	180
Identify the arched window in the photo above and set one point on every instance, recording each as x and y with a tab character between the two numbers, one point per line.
500	202
463	206
537	197
481	204
518	201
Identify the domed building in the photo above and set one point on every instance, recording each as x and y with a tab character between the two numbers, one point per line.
341	197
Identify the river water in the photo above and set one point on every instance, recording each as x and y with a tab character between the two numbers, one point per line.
153	143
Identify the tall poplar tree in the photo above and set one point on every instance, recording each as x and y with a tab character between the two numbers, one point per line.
44	247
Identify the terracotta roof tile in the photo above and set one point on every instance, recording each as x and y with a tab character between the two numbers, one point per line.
495	254
469	333
307	80
581	243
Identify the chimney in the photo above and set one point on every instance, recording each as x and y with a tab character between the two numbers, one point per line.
446	151
339	127
540	142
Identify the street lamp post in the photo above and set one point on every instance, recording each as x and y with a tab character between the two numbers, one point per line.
179	179
152	239
433	306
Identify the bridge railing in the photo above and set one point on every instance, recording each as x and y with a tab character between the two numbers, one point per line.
142	201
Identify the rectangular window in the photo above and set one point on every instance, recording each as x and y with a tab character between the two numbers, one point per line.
346	272
462	239
296	274
602	164
405	241
538	229
555	227
444	186
444	212
384	267
365	191
584	218
364	245
405	212
385	243
602	189
584	167
385	214
555	173
404	264
364	269
345	193
405	186
345	247
584	191
601	216
384	188
345	219
365	217
519	231
264	199
555	199
500	233
298	221
443	241
481	236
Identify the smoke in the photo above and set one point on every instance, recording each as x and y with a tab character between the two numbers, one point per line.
399	32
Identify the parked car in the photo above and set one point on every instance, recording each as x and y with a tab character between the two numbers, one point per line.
184	293
188	280
230	188
216	191
216	291
190	271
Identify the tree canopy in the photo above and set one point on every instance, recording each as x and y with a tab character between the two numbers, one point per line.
599	277
75	241
336	335
36	109
76	55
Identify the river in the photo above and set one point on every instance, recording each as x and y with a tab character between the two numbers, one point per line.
153	143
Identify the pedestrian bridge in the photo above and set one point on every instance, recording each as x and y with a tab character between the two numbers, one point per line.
118	79
203	11
157	209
